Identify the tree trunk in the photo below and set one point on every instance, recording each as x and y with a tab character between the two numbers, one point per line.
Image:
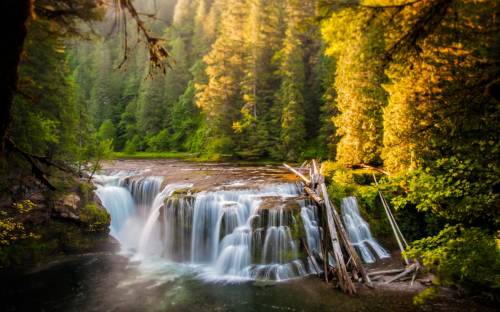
16	13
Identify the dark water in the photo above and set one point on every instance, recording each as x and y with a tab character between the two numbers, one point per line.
108	282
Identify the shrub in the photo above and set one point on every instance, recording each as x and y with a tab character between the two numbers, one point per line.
464	257
133	145
159	142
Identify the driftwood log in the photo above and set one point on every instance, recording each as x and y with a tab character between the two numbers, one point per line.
335	240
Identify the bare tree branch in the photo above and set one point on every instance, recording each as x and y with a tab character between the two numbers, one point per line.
158	54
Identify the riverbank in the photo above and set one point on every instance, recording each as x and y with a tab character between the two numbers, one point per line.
193	157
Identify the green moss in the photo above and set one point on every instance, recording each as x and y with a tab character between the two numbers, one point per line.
298	232
95	218
86	192
184	192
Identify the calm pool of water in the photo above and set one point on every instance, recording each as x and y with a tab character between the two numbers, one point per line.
111	282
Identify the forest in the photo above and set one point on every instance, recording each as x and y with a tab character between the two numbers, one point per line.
408	89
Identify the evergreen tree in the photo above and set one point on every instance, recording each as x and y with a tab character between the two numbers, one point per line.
359	75
290	95
263	38
151	106
221	98
46	108
107	131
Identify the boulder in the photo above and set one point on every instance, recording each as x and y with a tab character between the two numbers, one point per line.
68	207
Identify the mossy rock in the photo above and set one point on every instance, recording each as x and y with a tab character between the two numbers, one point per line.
86	191
184	191
95	218
54	239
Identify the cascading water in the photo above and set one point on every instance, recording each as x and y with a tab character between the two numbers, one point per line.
144	190
158	203
120	205
127	198
228	234
359	231
309	215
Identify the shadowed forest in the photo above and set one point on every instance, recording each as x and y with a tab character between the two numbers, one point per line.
407	90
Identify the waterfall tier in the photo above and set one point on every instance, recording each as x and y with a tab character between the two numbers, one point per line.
229	234
359	232
240	234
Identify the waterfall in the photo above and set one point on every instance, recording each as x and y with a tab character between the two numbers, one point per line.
310	219
120	205
225	234
144	190
359	231
124	196
152	219
309	215
178	220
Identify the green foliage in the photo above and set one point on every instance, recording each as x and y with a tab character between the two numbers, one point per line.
45	110
220	146
95	218
11	229
107	131
461	191
185	120
159	142
133	145
359	73
290	95
245	80
468	257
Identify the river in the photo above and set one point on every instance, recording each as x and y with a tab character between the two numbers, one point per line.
206	237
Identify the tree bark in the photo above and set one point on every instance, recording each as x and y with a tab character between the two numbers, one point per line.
14	25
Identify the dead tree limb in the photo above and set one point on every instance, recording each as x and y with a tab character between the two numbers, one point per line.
300	175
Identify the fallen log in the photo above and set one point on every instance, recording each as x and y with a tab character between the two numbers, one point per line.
335	233
300	175
392	221
363	166
406	271
343	236
358	265
344	280
311	257
314	195
384	272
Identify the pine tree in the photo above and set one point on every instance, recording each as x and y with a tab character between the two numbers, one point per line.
359	75
263	37
220	99
290	96
151	106
45	111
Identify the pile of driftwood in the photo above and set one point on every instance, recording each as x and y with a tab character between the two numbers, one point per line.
347	266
